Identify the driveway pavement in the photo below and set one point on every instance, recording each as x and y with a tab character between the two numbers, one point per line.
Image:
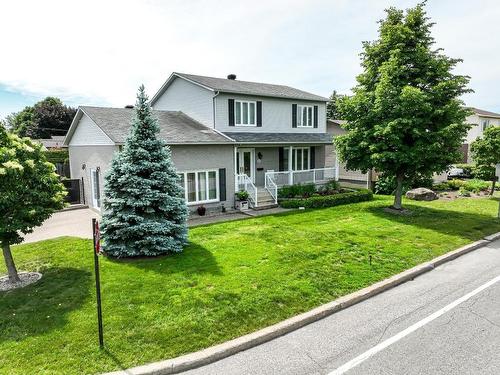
76	223
439	323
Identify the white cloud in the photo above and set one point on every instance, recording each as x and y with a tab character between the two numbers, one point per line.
100	51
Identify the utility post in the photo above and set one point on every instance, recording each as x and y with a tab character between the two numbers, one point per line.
498	177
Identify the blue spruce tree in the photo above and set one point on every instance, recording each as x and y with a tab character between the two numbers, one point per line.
145	212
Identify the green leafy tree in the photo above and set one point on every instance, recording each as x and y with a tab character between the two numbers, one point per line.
405	118
31	192
46	118
145	212
332	111
486	155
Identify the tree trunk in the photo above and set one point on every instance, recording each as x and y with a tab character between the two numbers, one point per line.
9	262
493	183
399	193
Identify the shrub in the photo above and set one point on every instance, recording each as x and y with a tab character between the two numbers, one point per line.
476	185
467	168
454	184
294	191
331	187
464	192
387	184
320	201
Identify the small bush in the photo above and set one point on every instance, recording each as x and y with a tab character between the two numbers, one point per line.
242	195
476	185
321	201
464	192
387	184
454	184
295	191
331	187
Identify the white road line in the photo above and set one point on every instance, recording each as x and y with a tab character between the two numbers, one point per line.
384	344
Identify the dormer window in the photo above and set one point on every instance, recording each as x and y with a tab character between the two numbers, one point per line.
305	116
245	113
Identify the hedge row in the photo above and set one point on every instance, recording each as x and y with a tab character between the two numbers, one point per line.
329	200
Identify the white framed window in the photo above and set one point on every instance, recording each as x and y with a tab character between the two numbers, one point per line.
485	123
301	158
200	186
245	113
305	116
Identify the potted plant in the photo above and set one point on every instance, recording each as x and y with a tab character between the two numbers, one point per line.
242	200
201	210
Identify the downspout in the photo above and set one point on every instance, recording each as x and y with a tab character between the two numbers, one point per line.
214	100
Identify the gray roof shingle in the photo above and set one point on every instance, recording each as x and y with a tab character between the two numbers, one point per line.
482	112
175	127
322	138
252	88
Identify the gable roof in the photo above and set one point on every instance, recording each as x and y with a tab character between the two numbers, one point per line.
482	112
236	86
175	127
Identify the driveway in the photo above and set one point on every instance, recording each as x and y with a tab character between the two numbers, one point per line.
76	223
446	321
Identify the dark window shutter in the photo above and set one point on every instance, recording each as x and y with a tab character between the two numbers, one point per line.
230	107
222	184
313	157
259	113
294	115
315	116
281	163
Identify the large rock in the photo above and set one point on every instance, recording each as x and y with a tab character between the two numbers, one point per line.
421	194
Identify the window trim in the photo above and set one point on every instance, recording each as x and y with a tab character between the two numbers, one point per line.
239	103
299	115
286	150
485	124
197	191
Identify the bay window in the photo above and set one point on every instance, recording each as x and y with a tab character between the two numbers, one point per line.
200	186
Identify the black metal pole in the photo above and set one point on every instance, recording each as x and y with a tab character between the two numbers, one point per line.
97	288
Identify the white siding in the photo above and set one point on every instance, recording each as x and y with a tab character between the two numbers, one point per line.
193	100
276	115
476	130
87	133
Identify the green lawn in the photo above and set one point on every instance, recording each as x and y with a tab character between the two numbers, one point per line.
233	278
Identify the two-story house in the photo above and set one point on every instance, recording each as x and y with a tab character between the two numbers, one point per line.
480	121
225	135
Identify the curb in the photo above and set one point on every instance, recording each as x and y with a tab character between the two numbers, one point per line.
228	348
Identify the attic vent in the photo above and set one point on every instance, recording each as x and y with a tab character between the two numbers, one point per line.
129	106
231	76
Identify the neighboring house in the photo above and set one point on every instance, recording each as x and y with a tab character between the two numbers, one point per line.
225	135
55	142
480	121
346	177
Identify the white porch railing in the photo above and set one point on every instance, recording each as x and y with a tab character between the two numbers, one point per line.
271	187
317	175
245	184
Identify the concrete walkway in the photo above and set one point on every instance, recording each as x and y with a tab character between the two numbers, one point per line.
77	223
446	321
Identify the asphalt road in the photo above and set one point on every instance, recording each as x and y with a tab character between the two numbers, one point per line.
446	321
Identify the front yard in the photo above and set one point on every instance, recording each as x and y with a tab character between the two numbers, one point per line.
232	279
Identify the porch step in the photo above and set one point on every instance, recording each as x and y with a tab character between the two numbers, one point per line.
265	206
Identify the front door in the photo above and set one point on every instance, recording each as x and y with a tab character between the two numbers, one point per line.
245	162
96	189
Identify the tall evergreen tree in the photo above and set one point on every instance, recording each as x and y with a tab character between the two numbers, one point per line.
332	110
405	118
145	212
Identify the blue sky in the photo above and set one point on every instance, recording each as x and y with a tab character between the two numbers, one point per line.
99	52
